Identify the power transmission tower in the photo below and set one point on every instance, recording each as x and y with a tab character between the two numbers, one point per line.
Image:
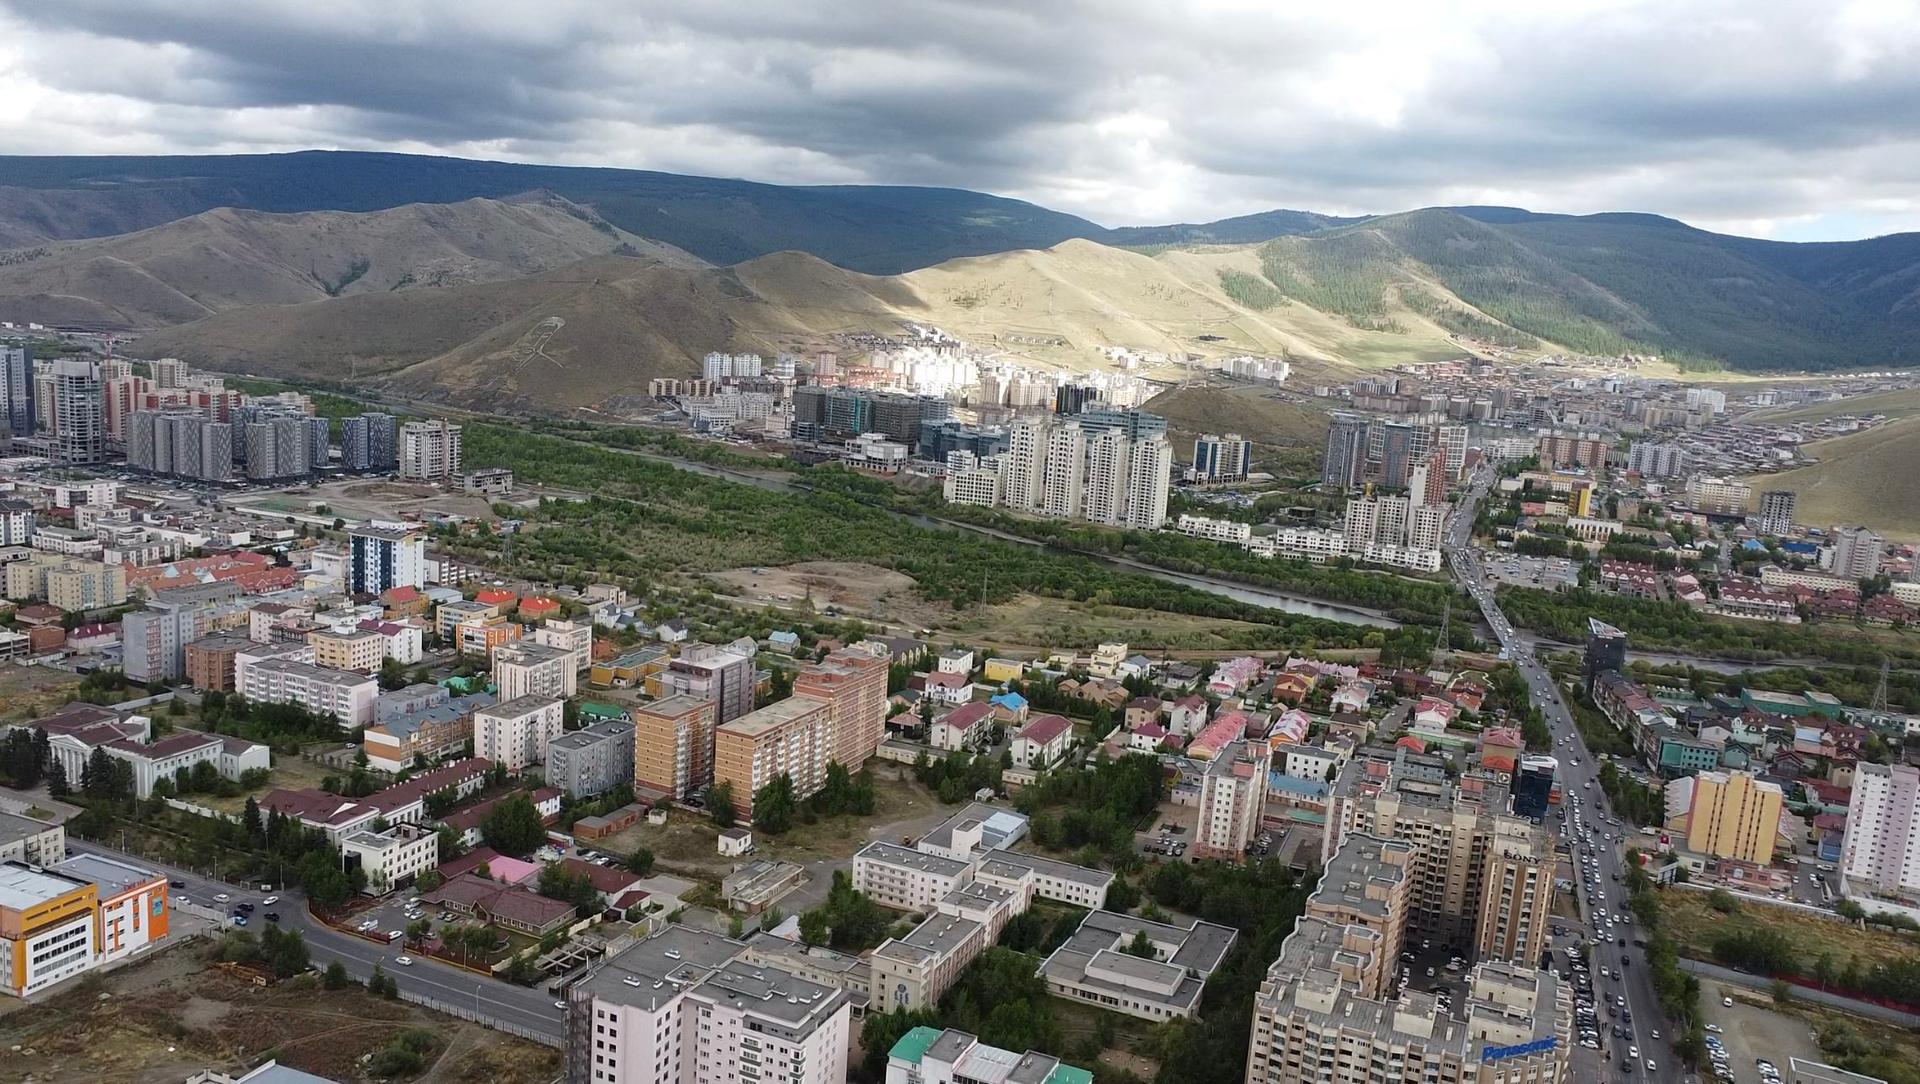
1880	689
1446	618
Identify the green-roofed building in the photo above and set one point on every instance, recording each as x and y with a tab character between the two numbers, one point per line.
594	711
930	1056
1793	705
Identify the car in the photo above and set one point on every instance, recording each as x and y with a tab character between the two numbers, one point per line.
1714	1029
271	900
1727	1001
1651	1067
1655	1033
239	920
1633	1052
559	1004
1429	972
403	961
176	884
273	916
180	901
221	897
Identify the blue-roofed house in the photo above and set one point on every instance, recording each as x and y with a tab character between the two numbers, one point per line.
1009	708
784	641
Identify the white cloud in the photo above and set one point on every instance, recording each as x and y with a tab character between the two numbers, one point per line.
1767	115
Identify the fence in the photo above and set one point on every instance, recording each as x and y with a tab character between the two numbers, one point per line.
467	1012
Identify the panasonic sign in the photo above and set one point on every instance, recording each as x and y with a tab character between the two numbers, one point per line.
1502	1053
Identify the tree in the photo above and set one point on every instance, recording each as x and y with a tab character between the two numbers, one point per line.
774	805
1141	946
250	819
1722	901
718	798
640	862
57	785
336	977
813	927
285	953
513	827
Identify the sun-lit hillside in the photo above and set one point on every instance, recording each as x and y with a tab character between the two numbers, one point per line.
1860	478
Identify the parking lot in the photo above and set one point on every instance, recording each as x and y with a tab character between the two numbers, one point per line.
1750	1029
1546	573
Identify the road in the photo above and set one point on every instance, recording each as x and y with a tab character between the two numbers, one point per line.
1596	839
519	1006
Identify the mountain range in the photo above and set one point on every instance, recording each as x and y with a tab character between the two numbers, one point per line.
497	283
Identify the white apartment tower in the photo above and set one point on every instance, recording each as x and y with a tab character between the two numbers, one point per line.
1109	471
1147	482
1063	489
430	451
1026	464
1880	852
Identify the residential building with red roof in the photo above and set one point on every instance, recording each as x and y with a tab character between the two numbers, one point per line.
1042	742
963	728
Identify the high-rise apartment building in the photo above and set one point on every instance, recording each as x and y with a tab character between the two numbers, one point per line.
430	451
1587	451
1219	458
853	682
1345	463
1392	450
367	442
1148	477
1109	460
1880	850
1719	496
792	737
1453	441
278	446
16	390
1657	459
673	745
1026	464
526	668
1064	489
383	558
1327	1013
1459	829
1233	796
79	413
710	672
684	1007
1776	511
1726	815
1857	552
516	731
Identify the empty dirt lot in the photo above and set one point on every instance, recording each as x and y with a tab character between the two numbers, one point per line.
162	1020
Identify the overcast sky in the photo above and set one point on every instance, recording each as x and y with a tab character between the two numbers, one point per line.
1767	117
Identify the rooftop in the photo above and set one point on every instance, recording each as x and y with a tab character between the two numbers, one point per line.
660	967
14	829
22	886
110	876
778	714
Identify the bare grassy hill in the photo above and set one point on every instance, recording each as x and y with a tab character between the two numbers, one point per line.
226	259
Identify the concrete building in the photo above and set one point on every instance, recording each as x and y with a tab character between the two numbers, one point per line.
31	842
524	668
48	930
1726	815
1719	496
1458	827
681	1007
130	904
709	672
73	584
79	435
342	694
1099	965
792	737
1233	796
593	759
391	858
853	682
516	732
1326	1012
17	390
673	745
348	649
209	661
430	451
927	1055
419	722
573	637
1776	511
165	758
1043	742
382	558
1880	850
1219	458
1857	552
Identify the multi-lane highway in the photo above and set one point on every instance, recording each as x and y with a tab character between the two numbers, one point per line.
1626	1022
519	1007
